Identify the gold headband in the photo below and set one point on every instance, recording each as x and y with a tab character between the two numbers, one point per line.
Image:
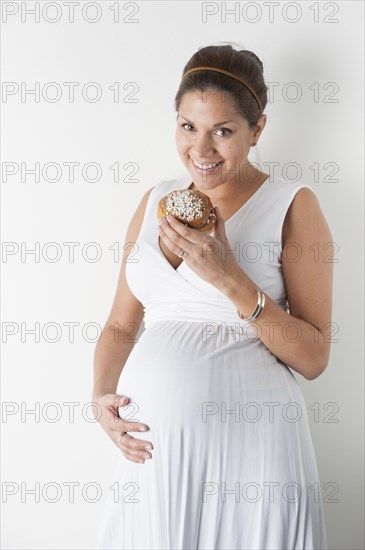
228	74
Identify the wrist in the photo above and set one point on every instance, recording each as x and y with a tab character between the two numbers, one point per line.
97	393
241	290
228	284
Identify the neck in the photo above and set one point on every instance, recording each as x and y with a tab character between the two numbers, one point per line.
252	179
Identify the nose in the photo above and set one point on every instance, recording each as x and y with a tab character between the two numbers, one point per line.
203	147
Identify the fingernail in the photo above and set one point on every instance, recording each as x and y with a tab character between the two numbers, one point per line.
160	221
142	429
148	448
169	218
147	456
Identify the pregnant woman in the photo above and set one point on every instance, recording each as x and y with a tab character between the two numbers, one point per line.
226	459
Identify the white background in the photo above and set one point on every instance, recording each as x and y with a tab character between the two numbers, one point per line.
152	52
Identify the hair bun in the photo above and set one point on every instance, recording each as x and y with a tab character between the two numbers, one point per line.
254	57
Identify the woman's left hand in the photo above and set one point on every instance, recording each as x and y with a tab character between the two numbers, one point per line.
211	257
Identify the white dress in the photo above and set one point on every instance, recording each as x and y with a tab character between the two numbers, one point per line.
233	463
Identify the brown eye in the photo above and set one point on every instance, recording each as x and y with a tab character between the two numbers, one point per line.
226	130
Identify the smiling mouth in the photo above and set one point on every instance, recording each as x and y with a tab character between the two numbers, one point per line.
210	170
206	165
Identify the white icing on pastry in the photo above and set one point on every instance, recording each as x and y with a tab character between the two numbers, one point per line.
185	205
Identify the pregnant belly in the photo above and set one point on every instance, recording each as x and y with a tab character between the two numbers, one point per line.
193	393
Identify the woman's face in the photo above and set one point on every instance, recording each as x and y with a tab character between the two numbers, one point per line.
210	130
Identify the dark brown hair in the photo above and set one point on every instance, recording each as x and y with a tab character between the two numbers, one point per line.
243	63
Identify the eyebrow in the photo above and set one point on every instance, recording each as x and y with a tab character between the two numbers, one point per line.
214	125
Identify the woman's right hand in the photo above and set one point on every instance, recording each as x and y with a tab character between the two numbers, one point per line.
106	412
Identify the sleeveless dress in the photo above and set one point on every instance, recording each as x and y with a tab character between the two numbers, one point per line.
233	465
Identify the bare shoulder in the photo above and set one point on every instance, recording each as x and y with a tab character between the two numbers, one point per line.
126	308
305	212
307	261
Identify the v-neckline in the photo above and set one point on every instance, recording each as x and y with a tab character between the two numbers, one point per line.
183	184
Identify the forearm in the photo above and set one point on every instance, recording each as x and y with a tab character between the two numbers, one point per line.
111	353
295	342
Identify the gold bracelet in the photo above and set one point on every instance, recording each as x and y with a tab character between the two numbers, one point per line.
258	309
